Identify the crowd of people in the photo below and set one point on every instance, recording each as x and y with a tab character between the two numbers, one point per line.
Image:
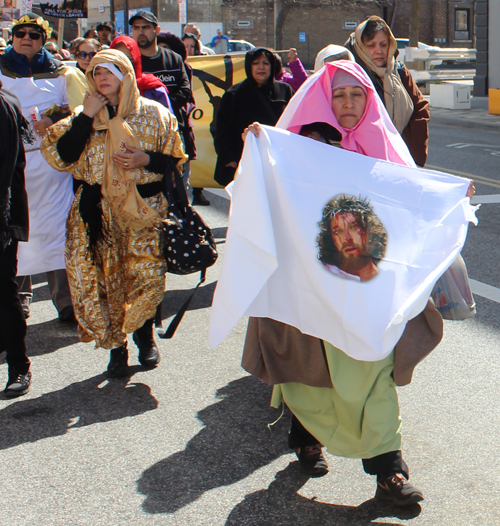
84	150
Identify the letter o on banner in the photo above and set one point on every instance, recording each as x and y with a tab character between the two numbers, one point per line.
197	114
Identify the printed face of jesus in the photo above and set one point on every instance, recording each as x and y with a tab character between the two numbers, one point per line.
349	236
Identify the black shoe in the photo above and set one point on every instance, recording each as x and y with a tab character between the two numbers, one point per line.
18	384
118	362
311	460
67	315
149	355
397	489
200	200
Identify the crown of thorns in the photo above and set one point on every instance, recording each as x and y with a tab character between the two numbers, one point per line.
361	206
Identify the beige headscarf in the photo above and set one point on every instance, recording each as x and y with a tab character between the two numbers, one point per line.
397	100
118	185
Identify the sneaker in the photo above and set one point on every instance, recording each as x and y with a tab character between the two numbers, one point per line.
397	489
200	200
311	460
18	385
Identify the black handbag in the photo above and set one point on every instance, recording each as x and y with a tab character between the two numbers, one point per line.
189	244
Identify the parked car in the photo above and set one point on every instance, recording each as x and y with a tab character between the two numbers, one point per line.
403	43
240	45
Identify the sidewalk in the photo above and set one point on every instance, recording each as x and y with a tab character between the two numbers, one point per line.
476	117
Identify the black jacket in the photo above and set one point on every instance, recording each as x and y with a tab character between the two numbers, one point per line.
169	68
241	105
49	66
14	218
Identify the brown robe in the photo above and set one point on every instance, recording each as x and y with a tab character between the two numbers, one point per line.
278	353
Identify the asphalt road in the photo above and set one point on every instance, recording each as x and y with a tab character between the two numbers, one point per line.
188	443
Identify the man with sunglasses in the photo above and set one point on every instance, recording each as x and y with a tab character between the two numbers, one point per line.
41	81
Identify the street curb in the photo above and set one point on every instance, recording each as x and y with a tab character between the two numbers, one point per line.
464	123
219	202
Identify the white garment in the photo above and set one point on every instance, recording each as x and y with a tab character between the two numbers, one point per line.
50	193
342	273
271	267
207	50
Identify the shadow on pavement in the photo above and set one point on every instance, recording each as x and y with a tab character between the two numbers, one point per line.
48	337
281	505
174	299
45	338
40	289
220	232
78	405
234	443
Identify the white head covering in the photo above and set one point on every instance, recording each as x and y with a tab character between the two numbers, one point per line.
116	72
331	53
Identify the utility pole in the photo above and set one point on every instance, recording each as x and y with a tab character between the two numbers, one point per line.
126	27
183	14
414	22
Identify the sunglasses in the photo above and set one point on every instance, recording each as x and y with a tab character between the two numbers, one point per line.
83	54
31	36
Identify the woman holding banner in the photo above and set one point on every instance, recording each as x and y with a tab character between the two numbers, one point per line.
349	406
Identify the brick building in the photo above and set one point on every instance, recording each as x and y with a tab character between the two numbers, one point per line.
444	23
308	25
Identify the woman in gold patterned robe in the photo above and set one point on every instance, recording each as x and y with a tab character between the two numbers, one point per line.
117	147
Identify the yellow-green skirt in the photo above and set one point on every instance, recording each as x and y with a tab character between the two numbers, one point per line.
359	417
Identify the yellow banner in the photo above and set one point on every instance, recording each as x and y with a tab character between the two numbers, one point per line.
213	75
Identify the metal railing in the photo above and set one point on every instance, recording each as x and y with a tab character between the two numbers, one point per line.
434	57
430	75
428	54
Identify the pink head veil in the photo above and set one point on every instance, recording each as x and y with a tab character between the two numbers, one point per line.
374	135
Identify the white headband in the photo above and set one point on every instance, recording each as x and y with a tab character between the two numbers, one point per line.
116	72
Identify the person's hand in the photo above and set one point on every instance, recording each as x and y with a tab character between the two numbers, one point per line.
41	126
232	164
292	55
131	158
93	104
65	108
471	190
254	128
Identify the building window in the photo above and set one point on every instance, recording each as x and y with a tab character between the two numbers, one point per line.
462	24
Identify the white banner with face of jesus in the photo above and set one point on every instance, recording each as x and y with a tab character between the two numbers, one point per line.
342	246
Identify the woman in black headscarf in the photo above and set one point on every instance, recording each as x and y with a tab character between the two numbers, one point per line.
259	98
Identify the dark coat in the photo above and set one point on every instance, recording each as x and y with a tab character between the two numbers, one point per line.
14	217
48	66
416	133
241	105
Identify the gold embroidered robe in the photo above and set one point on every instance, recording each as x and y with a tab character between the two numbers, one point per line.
117	292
